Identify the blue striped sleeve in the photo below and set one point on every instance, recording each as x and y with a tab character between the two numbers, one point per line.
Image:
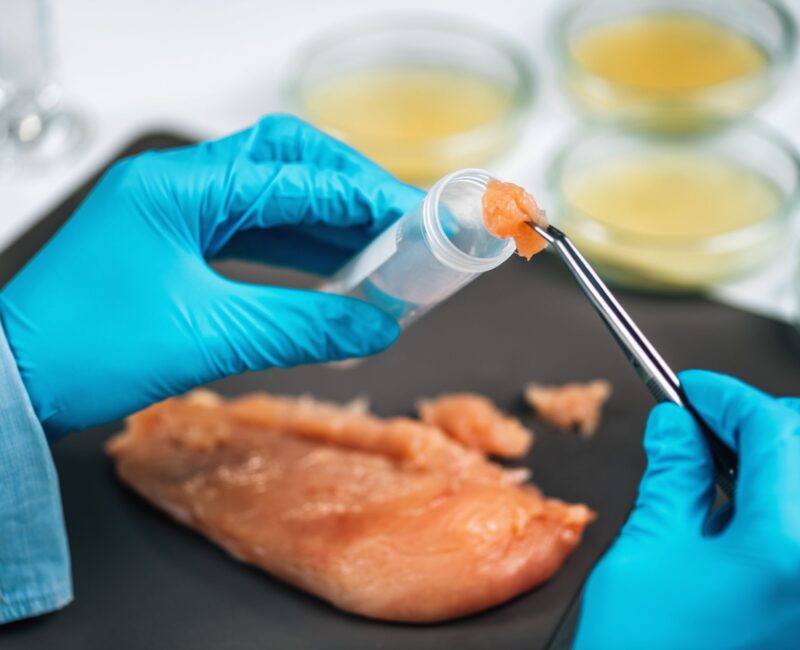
35	573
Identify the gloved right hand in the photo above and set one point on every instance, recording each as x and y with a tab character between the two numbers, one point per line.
674	580
121	309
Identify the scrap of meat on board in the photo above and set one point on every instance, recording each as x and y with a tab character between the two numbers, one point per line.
572	405
387	518
475	422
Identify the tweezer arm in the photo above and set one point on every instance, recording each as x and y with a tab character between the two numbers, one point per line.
657	376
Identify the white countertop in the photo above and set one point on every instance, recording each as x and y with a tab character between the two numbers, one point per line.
205	67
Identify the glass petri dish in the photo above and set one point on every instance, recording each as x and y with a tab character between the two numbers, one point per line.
674	65
676	214
421	95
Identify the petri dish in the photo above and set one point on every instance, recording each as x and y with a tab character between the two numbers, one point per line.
421	95
676	214
674	65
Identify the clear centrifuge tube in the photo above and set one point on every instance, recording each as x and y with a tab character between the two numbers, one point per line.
436	248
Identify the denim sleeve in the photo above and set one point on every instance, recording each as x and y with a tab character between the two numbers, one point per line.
34	558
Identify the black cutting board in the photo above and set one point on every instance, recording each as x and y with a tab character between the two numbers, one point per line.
143	581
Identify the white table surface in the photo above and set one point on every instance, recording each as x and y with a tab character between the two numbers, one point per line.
207	67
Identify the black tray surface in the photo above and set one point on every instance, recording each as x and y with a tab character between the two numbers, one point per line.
143	581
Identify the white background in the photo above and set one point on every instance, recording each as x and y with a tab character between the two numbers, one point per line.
206	67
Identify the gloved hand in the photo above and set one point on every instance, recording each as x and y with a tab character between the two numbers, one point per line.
121	309
673	580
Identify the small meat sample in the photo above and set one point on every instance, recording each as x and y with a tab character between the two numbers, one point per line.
390	519
506	209
477	423
571	405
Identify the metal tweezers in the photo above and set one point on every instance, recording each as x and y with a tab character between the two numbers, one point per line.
657	376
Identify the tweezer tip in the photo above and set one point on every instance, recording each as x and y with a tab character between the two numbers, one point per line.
549	234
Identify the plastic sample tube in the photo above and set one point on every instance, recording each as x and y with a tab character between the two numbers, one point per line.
436	248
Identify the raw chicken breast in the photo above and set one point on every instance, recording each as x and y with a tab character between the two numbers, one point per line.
389	519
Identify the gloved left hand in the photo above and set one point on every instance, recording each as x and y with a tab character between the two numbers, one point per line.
121	309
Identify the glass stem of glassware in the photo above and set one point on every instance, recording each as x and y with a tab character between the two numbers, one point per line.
33	124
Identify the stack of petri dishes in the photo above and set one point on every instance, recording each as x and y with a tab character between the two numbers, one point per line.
671	185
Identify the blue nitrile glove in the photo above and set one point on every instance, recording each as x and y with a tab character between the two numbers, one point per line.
671	580
121	309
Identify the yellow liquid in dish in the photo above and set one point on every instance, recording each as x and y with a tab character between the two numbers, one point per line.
668	71
668	52
659	207
673	195
399	115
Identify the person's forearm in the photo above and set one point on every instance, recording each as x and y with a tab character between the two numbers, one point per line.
34	557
